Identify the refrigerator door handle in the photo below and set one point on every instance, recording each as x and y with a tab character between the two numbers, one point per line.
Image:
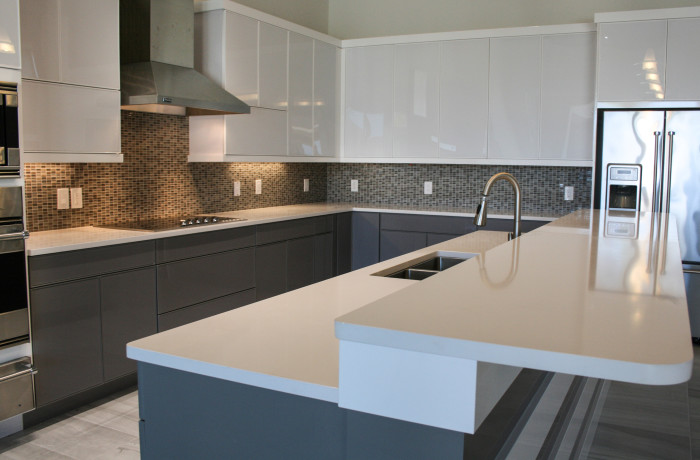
657	183
667	178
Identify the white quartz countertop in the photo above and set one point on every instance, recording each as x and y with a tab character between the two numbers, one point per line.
287	342
573	296
52	241
593	294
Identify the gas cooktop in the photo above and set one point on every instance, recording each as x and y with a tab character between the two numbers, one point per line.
170	223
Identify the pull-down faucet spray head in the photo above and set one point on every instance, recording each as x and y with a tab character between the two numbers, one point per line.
480	217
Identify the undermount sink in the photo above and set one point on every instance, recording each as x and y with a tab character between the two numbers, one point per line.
422	268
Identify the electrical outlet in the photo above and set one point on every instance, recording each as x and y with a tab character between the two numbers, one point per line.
569	193
306	185
76	197
258	186
62	198
354	185
427	188
236	188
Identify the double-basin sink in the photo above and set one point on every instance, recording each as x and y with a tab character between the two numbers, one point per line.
425	266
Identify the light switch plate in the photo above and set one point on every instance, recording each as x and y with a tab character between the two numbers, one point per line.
62	198
306	185
258	186
569	193
427	188
354	185
76	197
236	188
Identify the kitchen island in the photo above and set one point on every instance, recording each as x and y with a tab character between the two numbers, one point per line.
265	380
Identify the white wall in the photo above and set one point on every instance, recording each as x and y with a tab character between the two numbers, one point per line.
309	13
374	18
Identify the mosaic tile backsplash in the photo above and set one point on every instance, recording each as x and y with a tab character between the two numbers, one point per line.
459	187
155	180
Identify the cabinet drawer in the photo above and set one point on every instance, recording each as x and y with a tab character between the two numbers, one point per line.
204	310
200	244
420	223
196	280
66	266
287	230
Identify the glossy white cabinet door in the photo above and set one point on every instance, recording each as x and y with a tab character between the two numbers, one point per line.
369	101
89	36
241	57
464	98
263	132
70	119
683	60
632	61
568	93
40	43
209	44
273	67
514	98
300	110
325	99
10	51
207	138
416	100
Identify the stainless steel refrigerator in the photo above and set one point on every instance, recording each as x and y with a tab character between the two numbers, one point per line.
649	160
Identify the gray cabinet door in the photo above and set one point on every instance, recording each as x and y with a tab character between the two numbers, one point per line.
365	239
395	243
343	243
190	281
204	310
270	270
323	257
66	339
300	262
128	313
435	238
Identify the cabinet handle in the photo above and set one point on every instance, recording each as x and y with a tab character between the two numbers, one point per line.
29	370
23	235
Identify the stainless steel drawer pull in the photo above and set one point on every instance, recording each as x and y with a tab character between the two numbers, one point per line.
693	271
15	236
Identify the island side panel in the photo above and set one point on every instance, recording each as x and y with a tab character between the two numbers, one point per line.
185	415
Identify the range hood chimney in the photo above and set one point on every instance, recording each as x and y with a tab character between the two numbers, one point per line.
156	39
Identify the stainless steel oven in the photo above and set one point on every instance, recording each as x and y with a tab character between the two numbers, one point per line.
9	130
16	376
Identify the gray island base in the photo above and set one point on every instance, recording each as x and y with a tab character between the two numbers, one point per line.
188	416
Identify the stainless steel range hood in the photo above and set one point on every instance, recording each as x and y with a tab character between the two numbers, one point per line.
157	62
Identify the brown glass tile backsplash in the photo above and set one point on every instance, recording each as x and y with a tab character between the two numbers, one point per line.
155	180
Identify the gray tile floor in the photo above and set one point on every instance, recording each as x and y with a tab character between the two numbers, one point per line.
106	429
637	422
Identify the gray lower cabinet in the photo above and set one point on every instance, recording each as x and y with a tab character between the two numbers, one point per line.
324	257
66	339
394	243
365	239
271	273
128	305
343	243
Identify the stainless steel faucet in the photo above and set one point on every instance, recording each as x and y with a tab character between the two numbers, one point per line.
480	217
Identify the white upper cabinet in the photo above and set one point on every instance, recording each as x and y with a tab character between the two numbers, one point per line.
300	110
514	98
289	79
9	34
325	106
71	41
416	100
369	102
245	56
568	82
464	98
632	61
70	99
682	60
273	67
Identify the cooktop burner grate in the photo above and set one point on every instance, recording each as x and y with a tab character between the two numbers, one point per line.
170	223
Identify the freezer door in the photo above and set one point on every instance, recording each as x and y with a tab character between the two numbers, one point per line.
684	186
628	138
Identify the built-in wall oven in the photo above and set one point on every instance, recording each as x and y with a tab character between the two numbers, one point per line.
9	130
16	374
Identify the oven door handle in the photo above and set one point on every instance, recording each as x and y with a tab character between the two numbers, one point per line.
23	235
29	370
